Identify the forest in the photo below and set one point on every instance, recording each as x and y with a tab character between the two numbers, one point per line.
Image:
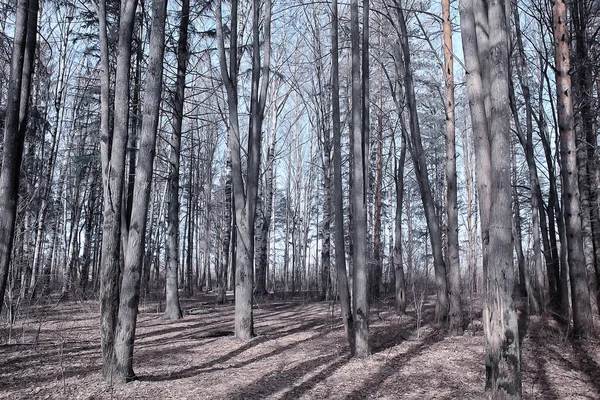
248	199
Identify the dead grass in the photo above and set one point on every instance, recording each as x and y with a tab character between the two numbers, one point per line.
300	352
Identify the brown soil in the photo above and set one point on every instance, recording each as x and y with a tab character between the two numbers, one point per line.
300	352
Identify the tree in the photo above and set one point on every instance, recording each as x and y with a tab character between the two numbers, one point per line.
421	170
453	265
245	193
15	125
359	154
134	256
173	310
582	311
488	90
113	152
337	196
397	254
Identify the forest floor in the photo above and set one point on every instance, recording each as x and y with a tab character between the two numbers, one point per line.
300	352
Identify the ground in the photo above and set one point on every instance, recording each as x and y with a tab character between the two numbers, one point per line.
299	352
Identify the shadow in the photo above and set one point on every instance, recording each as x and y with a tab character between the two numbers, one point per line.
195	370
541	375
277	380
587	364
393	365
305	386
212	365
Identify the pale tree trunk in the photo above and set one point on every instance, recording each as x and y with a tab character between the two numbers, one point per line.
471	210
582	312
113	152
503	367
420	164
377	256
130	285
490	60
245	194
14	130
227	210
397	252
262	261
453	265
473	24
173	309
337	193
360	303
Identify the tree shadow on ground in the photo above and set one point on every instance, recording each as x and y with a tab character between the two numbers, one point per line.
308	325
540	372
389	335
587	364
393	365
275	381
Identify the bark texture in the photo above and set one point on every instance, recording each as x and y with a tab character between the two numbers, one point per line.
580	294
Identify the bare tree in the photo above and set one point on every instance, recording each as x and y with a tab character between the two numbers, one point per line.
337	196
21	70
359	154
245	193
421	170
173	309
580	294
453	265
113	152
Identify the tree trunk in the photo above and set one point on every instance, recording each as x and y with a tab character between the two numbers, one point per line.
130	285
453	266
397	253
582	312
173	309
227	211
113	151
360	304
489	60
245	194
337	192
420	164
14	130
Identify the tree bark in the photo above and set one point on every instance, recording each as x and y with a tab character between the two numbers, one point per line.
130	285
453	266
337	193
360	304
173	308
420	164
397	252
582	312
14	136
488	90
113	152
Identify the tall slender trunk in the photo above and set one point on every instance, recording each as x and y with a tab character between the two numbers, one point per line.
582	312
15	124
113	152
245	193
130	285
359	155
227	211
173	309
420	164
487	62
397	252
453	265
